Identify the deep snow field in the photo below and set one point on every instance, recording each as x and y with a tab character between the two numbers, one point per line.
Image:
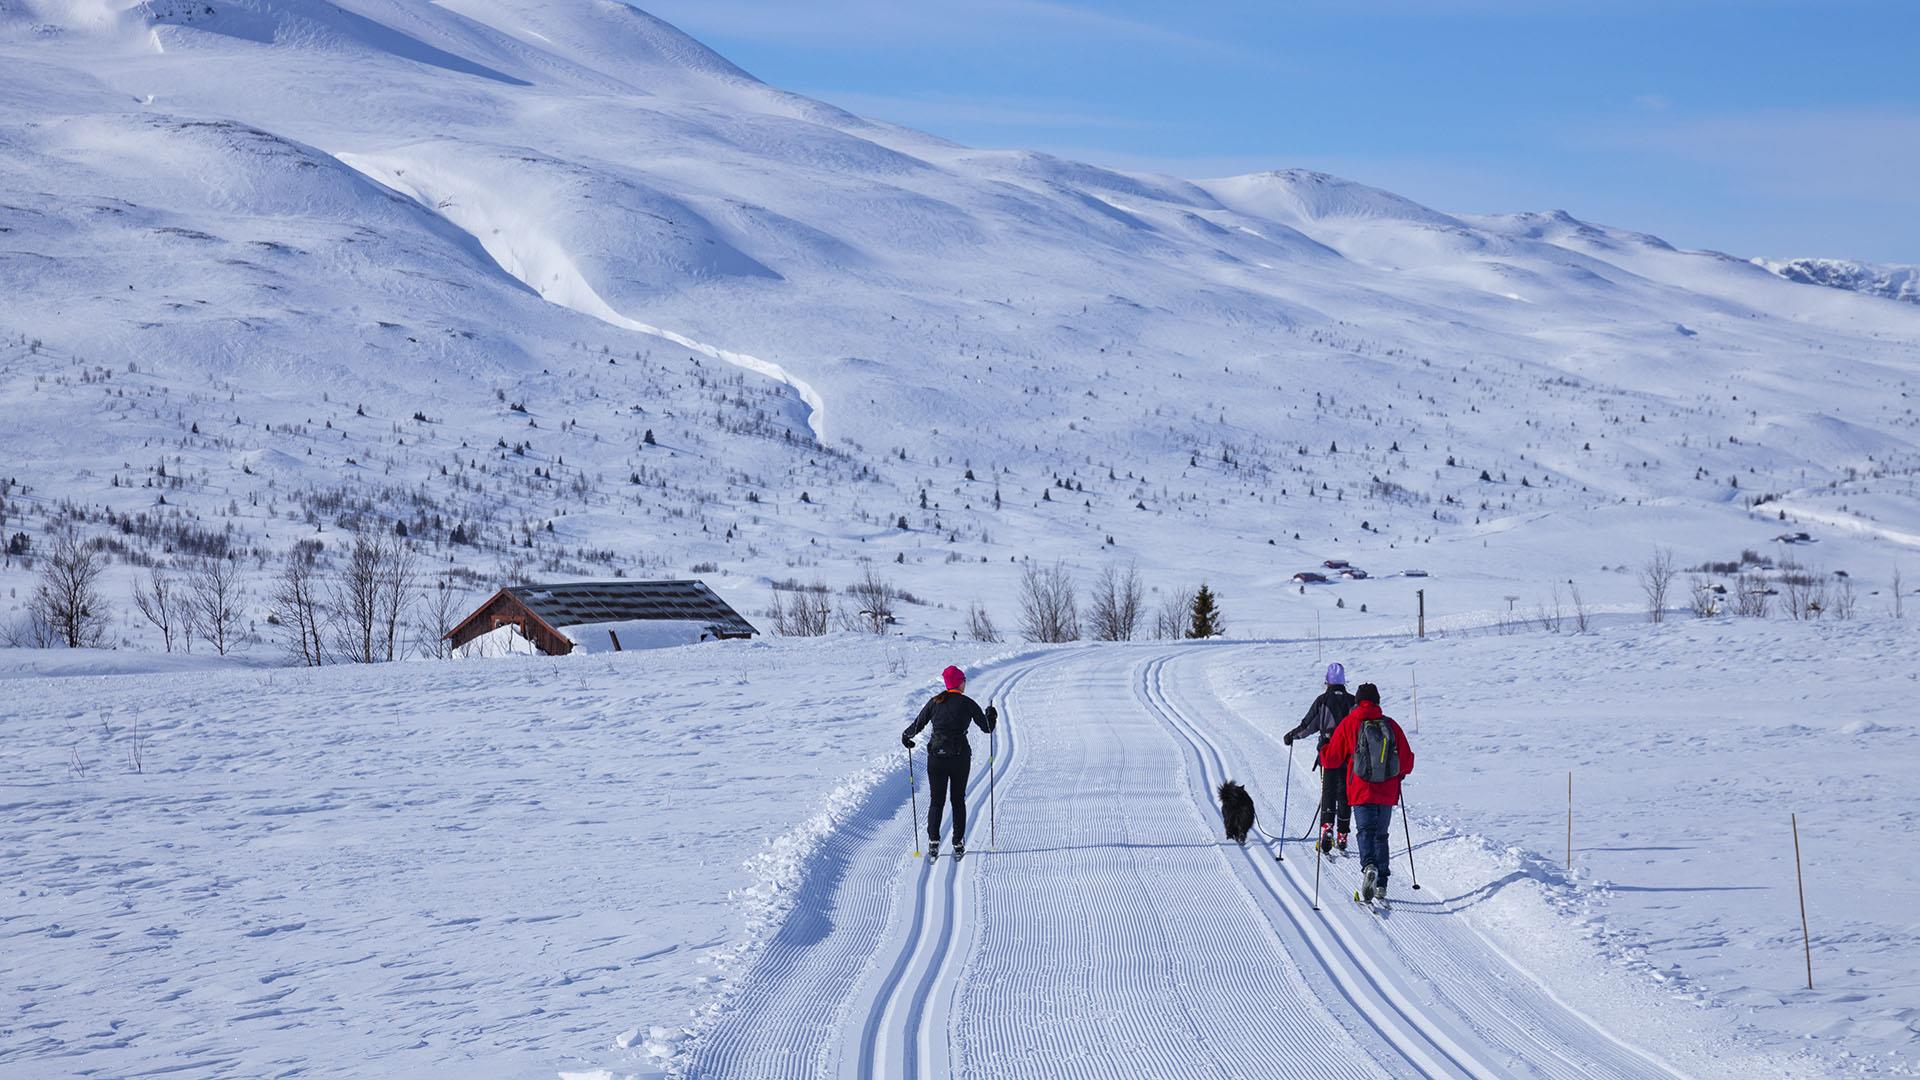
533	867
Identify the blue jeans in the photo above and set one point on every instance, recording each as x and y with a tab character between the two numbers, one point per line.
1370	823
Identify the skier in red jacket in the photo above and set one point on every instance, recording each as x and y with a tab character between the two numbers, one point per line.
1374	750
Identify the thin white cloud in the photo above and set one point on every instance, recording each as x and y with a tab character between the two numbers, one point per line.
1855	153
941	113
871	22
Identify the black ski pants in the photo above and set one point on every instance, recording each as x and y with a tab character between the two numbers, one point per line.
947	775
1333	798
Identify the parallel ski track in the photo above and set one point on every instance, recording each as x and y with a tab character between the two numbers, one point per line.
913	1044
792	1015
1114	938
1401	1023
1331	993
1500	1034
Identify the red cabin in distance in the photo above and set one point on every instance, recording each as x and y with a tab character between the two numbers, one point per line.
539	612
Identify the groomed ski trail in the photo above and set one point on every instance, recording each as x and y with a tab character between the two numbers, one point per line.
1116	933
1415	969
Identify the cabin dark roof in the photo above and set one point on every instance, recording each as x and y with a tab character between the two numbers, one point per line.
617	601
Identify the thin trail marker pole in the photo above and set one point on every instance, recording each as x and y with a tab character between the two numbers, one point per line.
1569	822
914	787
1285	791
1404	824
1806	941
993	820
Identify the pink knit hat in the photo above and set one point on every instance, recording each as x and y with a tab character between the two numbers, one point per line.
954	678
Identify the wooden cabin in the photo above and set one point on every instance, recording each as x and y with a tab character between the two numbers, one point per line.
540	612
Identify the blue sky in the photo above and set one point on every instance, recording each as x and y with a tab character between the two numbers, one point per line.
1754	127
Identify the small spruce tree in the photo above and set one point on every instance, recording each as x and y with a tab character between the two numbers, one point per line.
1206	620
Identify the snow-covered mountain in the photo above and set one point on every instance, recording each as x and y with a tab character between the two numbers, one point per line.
274	267
1892	282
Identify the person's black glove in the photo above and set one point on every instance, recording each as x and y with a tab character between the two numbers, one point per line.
993	718
906	741
1286	740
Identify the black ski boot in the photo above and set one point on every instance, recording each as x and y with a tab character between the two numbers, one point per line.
959	850
933	850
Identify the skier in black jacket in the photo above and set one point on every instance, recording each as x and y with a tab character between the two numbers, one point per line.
1324	715
949	757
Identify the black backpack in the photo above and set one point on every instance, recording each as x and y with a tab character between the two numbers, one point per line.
1331	713
1376	753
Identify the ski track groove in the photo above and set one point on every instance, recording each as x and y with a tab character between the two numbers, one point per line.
1123	937
1134	979
1530	1036
813	993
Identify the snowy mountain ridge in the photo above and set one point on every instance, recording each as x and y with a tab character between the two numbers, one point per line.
1891	281
448	266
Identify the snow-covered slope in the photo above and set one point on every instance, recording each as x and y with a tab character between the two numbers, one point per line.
294	265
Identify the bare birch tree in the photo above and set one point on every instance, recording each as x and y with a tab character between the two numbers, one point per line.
1174	615
297	609
217	598
1114	606
160	601
356	601
398	579
67	597
439	614
1656	581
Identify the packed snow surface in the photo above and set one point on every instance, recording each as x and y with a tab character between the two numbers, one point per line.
698	861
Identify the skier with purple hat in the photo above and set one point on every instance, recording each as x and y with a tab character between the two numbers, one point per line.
1323	716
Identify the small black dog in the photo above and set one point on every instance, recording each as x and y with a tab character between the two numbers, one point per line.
1236	809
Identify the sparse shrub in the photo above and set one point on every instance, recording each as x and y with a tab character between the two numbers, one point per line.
1656	581
1048	610
1114	609
980	624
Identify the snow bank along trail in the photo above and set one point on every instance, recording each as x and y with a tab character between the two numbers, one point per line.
1113	931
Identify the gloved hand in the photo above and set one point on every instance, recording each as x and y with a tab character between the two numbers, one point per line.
993	715
906	741
1286	740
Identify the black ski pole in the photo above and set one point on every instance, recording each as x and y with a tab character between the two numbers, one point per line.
913	787
1409	831
1286	791
993	819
